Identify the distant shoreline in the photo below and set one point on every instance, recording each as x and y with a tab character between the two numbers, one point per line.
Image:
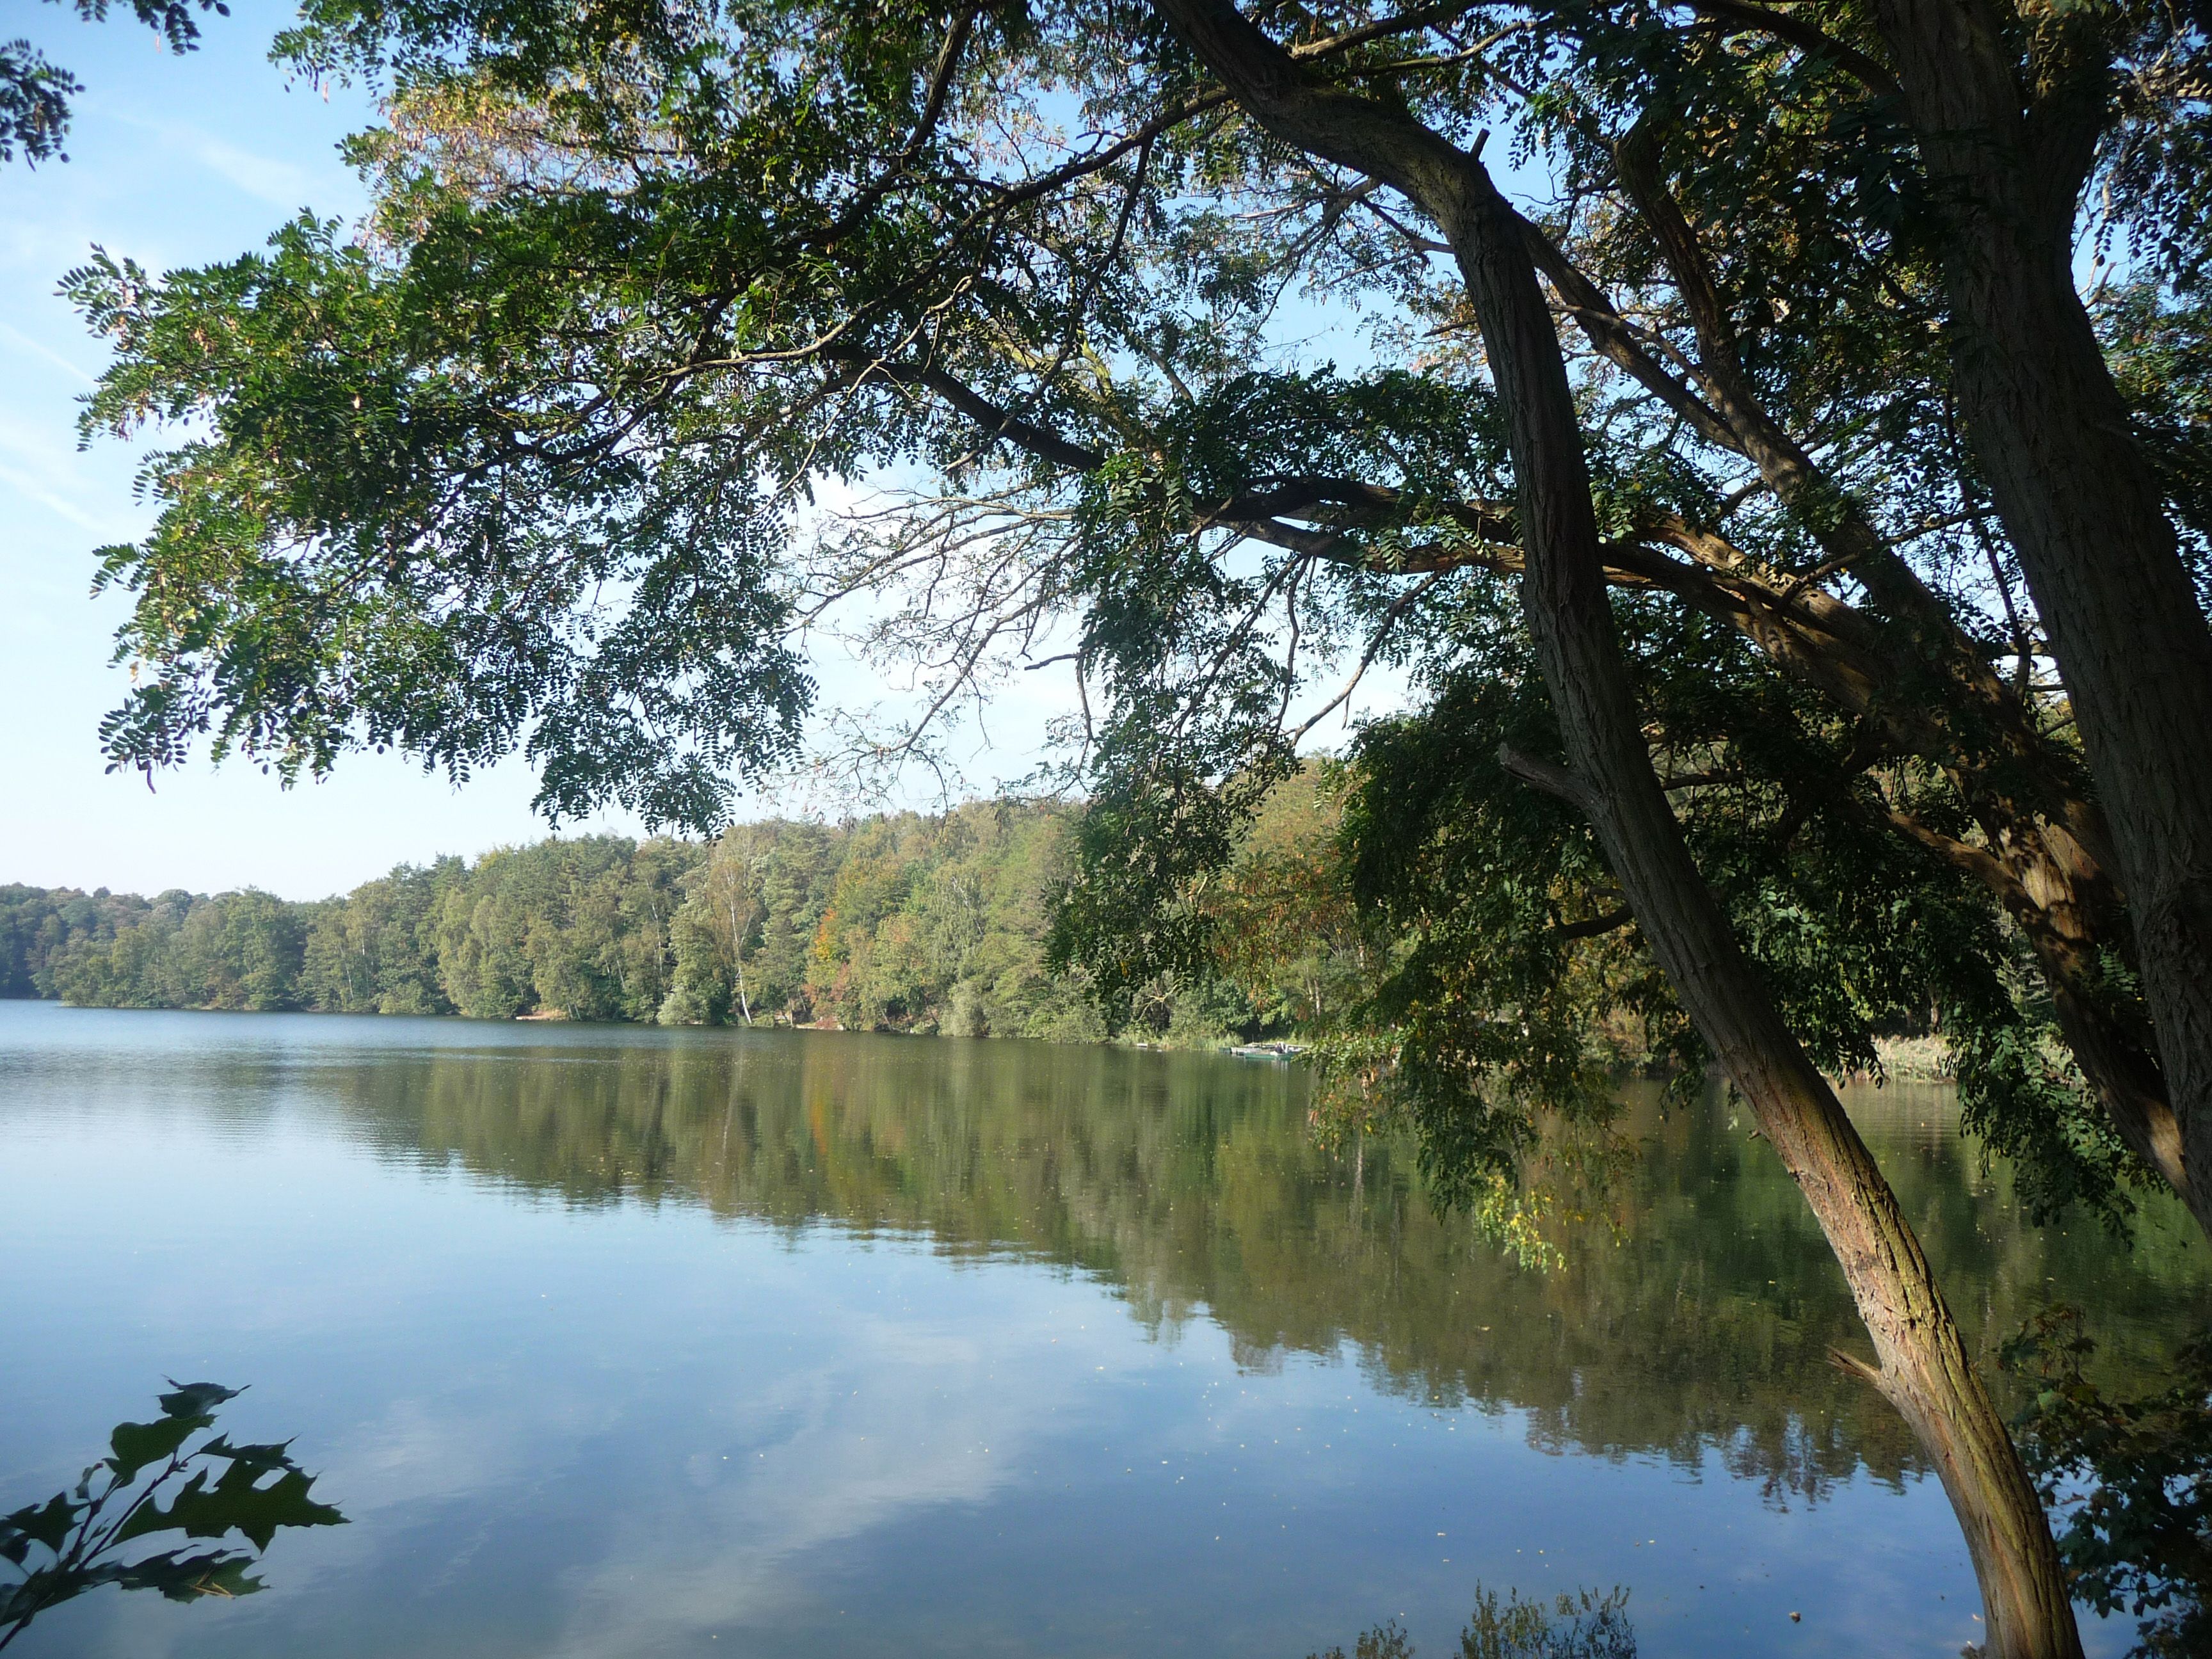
1223	1045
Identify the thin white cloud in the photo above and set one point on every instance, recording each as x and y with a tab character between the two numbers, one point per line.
280	184
41	244
24	342
31	489
265	178
39	438
41	462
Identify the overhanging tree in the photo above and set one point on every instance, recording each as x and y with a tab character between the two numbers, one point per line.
1899	654
520	466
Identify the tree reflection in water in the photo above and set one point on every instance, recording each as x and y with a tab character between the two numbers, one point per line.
157	1481
1584	1626
1701	1329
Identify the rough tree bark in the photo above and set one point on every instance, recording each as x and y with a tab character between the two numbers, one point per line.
2047	846
2007	144
2046	853
1923	1367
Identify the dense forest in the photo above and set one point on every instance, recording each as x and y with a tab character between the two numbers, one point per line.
896	921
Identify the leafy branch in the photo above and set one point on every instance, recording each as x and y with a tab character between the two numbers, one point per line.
84	1532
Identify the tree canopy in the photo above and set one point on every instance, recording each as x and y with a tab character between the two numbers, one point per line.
1753	503
529	460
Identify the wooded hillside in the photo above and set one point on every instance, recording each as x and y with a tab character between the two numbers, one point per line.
896	921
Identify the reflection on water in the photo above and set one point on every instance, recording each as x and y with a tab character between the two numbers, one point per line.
170	1476
641	1342
1704	1322
1583	1625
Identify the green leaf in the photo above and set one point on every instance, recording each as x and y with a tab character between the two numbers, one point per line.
19	1603
208	1505
46	1524
134	1445
234	1502
182	1578
192	1399
261	1459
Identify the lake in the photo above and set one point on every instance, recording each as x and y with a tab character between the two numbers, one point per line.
610	1340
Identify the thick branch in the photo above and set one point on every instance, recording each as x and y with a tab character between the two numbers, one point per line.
1608	331
1595	926
1039	441
933	111
1741	15
1554	780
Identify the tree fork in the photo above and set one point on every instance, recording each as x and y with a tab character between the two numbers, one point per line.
2049	859
1923	1368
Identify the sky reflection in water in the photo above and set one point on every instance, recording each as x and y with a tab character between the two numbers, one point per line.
625	1342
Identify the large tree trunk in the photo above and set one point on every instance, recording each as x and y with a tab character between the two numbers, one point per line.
1923	1367
2084	511
2047	856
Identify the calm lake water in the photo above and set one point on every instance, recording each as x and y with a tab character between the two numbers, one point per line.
616	1341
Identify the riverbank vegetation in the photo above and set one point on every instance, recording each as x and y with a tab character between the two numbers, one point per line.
899	921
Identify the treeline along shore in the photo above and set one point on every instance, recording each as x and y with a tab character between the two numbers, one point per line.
896	921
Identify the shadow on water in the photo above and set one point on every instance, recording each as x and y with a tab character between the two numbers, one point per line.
161	1480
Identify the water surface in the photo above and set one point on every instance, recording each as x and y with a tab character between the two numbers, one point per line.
616	1341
